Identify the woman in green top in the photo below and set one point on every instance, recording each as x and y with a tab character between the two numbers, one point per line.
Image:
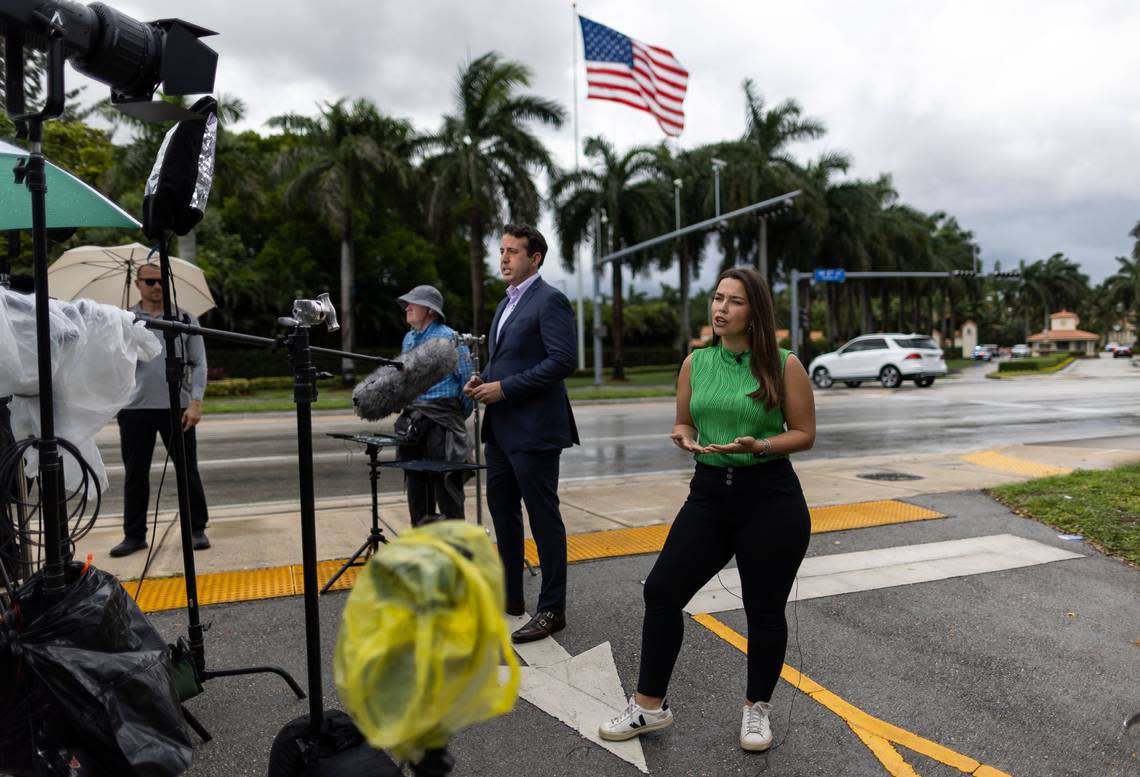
743	405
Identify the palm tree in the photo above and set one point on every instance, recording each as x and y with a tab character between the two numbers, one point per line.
760	163
485	155
332	164
628	189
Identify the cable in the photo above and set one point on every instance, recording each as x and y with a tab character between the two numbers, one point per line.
799	652
155	542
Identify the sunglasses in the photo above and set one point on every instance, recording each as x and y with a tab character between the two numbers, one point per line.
150	281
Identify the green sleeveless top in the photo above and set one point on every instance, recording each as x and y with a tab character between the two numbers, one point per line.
722	409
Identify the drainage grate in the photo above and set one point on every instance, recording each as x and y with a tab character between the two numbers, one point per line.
888	476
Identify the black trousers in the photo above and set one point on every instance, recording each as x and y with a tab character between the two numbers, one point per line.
428	492
137	429
756	513
530	477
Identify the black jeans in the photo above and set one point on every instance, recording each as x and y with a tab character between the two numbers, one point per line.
137	429
756	513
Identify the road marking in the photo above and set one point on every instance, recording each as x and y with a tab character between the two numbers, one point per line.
868	570
875	733
581	691
1004	463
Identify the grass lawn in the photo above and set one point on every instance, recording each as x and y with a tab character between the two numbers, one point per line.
1101	505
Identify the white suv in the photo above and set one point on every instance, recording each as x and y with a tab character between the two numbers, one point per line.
889	358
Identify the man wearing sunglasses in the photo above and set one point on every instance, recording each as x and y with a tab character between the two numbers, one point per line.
148	414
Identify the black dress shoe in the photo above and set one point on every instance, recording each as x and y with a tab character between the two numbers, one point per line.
201	541
540	626
128	546
516	608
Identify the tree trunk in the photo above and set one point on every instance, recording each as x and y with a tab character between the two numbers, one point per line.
762	249
884	307
188	247
617	359
686	324
864	309
899	315
476	251
347	367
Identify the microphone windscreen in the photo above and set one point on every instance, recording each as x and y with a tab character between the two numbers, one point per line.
389	390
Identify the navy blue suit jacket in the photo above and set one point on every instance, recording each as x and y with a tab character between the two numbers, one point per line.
531	358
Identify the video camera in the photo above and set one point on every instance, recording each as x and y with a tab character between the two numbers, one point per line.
130	56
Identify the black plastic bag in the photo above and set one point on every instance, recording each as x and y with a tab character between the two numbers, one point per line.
88	673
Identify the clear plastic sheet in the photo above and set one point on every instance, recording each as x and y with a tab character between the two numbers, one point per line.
95	348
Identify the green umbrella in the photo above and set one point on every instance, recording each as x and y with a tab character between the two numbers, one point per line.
70	202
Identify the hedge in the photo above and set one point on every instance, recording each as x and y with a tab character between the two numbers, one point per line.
1048	363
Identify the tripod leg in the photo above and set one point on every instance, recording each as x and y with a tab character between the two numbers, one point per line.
365	550
196	725
210	674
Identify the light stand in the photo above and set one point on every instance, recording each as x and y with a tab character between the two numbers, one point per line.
473	342
306	313
174	366
373	443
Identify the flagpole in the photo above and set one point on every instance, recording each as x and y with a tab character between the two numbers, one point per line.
577	253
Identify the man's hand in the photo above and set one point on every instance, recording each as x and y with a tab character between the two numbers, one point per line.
487	393
739	445
474	382
192	415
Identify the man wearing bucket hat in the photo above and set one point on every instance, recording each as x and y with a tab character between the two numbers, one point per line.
435	424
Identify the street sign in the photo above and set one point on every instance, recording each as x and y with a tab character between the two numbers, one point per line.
833	275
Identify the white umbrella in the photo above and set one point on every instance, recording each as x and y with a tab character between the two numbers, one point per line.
107	275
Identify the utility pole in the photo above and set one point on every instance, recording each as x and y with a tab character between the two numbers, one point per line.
683	268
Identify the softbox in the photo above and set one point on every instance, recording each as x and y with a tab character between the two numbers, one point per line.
179	183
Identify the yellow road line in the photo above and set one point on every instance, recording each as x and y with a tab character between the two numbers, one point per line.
650	539
874	732
1014	466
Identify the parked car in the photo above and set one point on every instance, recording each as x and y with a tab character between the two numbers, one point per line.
1020	351
889	358
1122	352
985	352
1110	347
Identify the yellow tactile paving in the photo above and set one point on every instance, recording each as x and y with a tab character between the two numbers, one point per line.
1014	466
169	593
650	539
879	736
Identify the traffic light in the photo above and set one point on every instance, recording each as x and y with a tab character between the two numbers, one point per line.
805	322
964	273
1006	274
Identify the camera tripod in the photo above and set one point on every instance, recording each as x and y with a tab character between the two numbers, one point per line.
373	443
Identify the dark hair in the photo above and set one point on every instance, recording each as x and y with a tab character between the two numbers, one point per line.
535	242
765	360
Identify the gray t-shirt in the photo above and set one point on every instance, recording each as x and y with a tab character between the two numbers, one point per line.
150	392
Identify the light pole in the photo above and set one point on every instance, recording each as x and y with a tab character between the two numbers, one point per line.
717	166
683	269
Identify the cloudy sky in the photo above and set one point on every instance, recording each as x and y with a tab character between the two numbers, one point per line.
1020	118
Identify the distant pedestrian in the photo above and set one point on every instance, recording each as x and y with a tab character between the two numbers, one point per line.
148	414
743	405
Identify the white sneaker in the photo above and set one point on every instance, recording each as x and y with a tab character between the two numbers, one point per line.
755	728
636	720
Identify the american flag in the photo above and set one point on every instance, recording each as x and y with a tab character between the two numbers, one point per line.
633	73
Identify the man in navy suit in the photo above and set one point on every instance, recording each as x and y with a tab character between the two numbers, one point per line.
528	421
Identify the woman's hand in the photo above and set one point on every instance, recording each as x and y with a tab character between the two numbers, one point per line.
739	445
687	443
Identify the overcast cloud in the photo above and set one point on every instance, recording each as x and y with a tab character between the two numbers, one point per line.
1019	118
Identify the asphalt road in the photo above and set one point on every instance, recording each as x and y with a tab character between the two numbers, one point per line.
1030	671
253	458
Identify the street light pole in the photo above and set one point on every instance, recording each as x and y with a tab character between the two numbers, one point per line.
599	219
683	269
717	166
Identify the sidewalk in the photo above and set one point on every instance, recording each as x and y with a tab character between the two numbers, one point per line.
267	534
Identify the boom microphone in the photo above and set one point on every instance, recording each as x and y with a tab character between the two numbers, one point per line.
389	390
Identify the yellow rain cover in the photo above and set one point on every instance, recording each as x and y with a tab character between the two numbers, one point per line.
422	639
